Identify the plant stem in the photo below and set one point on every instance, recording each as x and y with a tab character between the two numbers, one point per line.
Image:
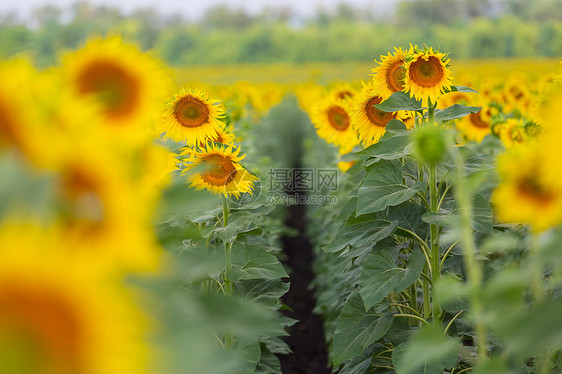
474	272
543	358
434	230
228	284
435	265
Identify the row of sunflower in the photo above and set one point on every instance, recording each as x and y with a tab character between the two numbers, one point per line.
441	252
88	283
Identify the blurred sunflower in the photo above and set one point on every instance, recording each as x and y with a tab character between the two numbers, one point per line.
192	117
389	76
332	119
475	126
63	317
20	128
512	133
98	197
530	191
427	75
217	169
369	122
126	84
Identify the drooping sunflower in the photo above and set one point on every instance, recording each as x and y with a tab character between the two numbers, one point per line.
475	126
63	316
191	116
126	84
529	191
389	76
332	119
427	75
369	122
217	169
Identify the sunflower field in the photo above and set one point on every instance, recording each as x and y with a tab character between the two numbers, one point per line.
155	221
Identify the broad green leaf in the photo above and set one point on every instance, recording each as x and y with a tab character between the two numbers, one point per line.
481	220
381	276
357	329
455	111
383	188
429	352
408	215
399	101
269	363
360	234
394	144
249	354
266	292
253	262
462	89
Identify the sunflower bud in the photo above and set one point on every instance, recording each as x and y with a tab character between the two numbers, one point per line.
430	144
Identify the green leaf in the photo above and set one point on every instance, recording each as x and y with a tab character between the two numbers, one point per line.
462	89
360	234
429	352
261	291
358	329
481	220
381	276
399	101
455	111
408	215
253	262
394	144
249	354
383	188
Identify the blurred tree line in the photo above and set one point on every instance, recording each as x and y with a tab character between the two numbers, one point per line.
468	28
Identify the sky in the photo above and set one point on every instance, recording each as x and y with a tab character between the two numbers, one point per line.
193	9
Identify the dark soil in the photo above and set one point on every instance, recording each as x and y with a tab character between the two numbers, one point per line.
306	337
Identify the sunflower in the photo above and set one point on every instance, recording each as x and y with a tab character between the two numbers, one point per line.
475	126
98	196
389	76
332	119
512	133
61	316
126	84
192	117
217	169
369	122
529	192
21	127
427	75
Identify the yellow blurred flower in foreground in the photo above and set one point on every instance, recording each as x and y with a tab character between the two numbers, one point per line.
63	317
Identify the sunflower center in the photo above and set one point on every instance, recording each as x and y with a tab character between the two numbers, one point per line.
427	73
377	116
530	187
221	170
84	192
477	121
344	95
395	76
338	118
191	112
46	328
112	86
7	127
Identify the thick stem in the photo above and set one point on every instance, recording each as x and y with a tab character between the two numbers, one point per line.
434	230
426	305
473	269
228	284
543	358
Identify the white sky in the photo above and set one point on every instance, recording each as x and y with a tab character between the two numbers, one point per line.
192	9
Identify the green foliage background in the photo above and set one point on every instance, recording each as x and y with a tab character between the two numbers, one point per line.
468	28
